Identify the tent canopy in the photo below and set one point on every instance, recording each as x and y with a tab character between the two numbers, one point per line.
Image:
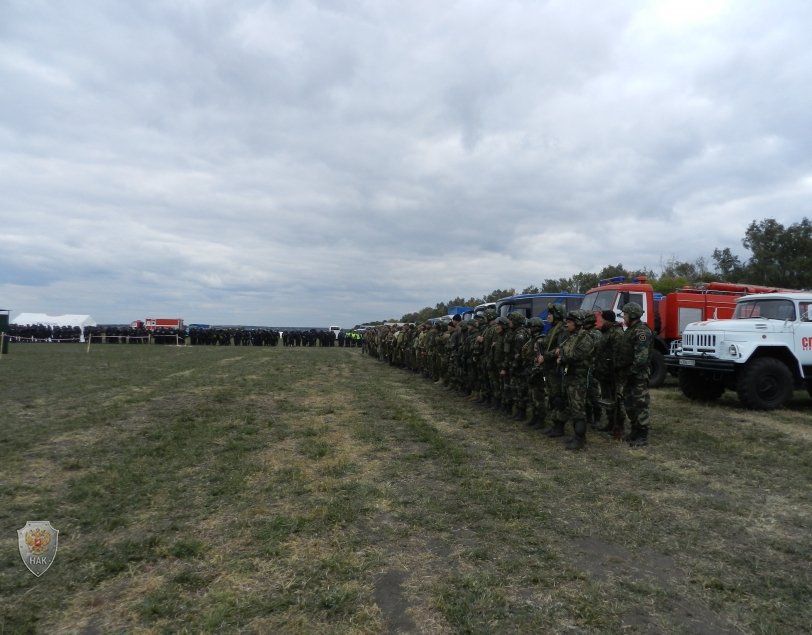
53	320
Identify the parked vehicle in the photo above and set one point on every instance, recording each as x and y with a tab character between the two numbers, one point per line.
763	353
668	315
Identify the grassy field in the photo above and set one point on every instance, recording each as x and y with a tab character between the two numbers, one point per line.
249	490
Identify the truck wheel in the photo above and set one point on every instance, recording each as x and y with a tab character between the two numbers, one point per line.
694	386
656	369
765	383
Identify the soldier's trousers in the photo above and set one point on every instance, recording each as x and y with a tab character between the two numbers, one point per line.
636	399
555	394
575	384
519	388
608	394
537	399
593	394
496	383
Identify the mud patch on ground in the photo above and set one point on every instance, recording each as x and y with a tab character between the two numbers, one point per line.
390	599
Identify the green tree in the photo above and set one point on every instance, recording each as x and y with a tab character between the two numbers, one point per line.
782	257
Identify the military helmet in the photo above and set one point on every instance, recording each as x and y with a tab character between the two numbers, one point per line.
491	314
535	323
517	317
503	321
589	317
576	316
634	310
558	310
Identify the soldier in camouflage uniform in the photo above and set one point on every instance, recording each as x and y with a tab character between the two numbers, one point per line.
535	374
593	395
486	354
604	367
553	372
454	350
633	366
519	336
497	363
575	355
470	346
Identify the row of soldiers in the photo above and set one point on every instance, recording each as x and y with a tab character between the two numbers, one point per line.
312	337
229	337
570	374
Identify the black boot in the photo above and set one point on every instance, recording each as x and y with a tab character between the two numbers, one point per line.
639	437
506	409
533	421
485	403
496	403
521	413
579	441
557	430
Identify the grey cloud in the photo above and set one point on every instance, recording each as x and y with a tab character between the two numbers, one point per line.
366	158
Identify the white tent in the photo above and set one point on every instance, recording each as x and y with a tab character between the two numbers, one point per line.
54	320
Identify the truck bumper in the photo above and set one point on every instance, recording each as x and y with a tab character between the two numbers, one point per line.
700	363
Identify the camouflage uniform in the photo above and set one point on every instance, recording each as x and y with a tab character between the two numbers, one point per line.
497	363
553	373
576	353
519	336
488	334
634	370
604	372
593	395
535	374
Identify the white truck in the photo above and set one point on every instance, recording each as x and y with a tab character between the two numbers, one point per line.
763	353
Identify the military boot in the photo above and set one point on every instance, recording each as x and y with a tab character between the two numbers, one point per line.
579	441
521	413
557	430
533	421
485	402
506	409
639	437
496	404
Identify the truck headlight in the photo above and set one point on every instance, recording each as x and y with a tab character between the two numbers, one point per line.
733	350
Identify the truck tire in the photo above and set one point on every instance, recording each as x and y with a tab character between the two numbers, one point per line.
765	383
656	369
696	387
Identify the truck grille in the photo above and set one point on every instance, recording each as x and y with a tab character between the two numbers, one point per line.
699	342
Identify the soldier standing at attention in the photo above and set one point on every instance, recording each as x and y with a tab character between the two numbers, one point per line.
604	368
488	333
497	364
535	374
575	355
518	378
634	368
553	372
593	395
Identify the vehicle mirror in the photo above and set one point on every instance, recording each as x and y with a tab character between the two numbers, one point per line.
624	299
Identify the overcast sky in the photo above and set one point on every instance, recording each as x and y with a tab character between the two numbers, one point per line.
334	161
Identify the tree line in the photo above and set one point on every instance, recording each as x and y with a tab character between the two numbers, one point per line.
780	257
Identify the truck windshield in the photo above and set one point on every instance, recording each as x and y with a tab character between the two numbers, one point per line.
765	309
599	301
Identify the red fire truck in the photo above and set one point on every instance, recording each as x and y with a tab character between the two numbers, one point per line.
167	323
668	315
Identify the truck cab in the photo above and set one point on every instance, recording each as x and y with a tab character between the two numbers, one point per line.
763	353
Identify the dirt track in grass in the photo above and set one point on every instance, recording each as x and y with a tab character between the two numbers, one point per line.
272	490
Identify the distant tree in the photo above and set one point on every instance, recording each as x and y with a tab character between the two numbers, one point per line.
727	266
531	289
